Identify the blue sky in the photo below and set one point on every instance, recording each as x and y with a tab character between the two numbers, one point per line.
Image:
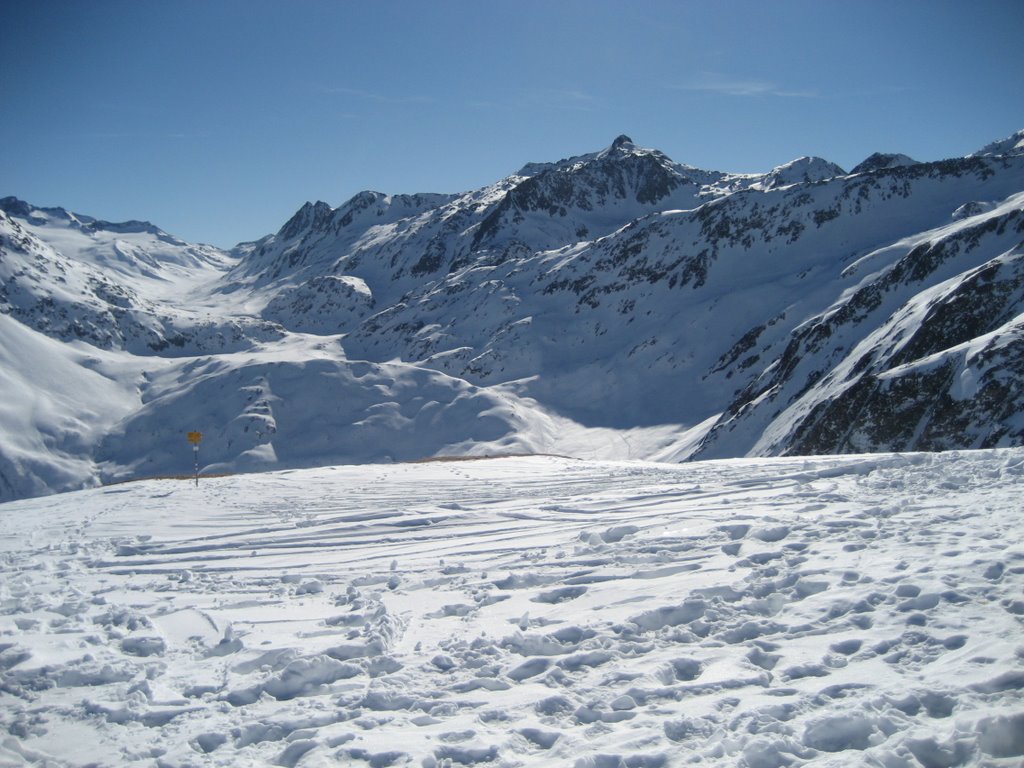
217	119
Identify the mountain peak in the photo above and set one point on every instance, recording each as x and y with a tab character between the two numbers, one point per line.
801	171
309	215
622	145
882	160
14	206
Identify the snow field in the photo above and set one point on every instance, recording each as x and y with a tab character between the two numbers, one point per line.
847	610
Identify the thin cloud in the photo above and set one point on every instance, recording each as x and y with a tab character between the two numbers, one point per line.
714	82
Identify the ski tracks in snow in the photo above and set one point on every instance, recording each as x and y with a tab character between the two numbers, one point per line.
523	611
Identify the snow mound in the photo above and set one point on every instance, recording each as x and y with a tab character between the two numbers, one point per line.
262	412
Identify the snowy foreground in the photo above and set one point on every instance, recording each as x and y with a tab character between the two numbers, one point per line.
840	611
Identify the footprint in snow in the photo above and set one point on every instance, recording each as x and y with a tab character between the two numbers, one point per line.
560	595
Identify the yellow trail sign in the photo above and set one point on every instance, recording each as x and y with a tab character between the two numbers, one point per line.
195	437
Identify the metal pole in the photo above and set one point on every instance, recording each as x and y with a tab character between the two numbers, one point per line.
196	438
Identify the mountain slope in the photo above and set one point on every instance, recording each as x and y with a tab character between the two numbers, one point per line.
124	286
58	400
649	324
936	294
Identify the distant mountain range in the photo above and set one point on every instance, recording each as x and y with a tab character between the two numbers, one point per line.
616	304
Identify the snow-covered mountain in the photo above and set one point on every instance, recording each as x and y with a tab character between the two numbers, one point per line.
881	160
122	285
614	304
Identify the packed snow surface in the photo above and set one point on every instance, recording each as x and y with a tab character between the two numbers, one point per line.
839	611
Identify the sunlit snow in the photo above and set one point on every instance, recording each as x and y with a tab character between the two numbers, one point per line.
851	610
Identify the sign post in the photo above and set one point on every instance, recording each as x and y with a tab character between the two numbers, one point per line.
196	438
